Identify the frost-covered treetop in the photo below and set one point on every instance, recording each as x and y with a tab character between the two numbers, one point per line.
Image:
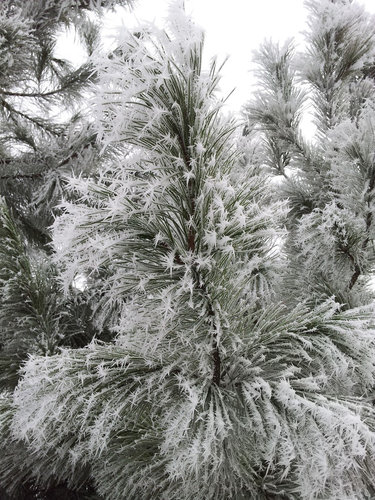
171	206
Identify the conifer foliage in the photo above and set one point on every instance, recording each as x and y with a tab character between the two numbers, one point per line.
212	387
45	135
330	182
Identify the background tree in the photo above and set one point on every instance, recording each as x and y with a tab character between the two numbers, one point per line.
211	388
45	134
329	181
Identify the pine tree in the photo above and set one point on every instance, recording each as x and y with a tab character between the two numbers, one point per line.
330	181
38	150
43	138
42	133
212	387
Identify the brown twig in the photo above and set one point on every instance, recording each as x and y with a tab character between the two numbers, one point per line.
216	377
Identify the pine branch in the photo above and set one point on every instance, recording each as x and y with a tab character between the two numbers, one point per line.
35	94
21	176
369	217
36	121
91	141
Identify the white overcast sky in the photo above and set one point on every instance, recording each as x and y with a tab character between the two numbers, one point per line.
233	28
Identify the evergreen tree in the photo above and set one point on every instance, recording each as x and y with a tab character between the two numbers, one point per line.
42	131
45	135
329	181
212	388
38	150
